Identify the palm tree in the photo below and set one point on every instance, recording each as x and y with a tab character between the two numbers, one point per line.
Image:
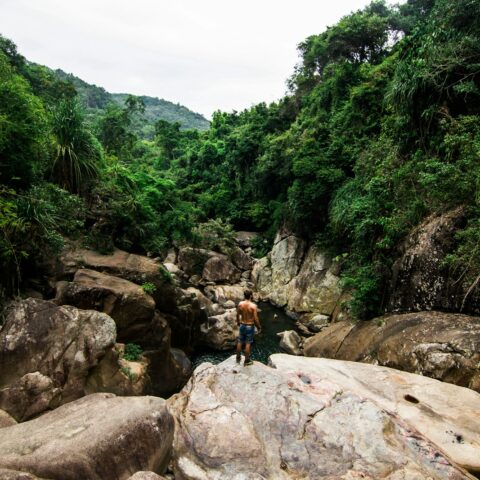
77	152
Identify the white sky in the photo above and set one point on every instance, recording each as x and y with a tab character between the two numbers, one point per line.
204	54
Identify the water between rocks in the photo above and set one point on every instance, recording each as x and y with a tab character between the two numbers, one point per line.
273	320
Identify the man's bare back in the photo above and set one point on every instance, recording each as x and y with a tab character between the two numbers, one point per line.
247	313
247	316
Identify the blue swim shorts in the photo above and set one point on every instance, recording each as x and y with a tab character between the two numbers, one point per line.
246	333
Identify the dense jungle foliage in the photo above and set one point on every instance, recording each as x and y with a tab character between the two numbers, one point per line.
379	129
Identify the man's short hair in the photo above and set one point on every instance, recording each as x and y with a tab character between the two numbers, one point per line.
248	294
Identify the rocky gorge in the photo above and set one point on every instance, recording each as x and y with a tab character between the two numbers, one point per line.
73	401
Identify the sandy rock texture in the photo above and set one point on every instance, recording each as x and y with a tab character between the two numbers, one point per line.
7	474
6	420
97	437
440	345
258	422
47	353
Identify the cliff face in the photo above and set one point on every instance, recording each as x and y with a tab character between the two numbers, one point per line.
305	281
300	278
421	279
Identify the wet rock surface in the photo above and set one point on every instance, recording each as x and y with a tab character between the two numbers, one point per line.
258	422
97	437
444	346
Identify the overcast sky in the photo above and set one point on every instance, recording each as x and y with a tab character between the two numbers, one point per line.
204	54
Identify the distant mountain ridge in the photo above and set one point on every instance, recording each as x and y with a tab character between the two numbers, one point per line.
96	99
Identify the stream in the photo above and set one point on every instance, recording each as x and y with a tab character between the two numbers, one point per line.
264	345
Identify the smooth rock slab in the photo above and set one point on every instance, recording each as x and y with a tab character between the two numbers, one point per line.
446	414
97	437
264	423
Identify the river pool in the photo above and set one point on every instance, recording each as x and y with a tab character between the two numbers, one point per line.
273	321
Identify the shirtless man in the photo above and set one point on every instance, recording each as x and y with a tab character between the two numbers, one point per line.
247	319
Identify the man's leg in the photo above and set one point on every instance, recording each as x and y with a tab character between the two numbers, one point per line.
247	353
239	351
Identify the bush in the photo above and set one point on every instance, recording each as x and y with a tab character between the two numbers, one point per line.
149	287
132	352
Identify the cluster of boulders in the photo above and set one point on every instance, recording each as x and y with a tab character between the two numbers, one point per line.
55	351
217	280
297	418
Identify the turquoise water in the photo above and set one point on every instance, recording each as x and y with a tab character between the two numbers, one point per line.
273	320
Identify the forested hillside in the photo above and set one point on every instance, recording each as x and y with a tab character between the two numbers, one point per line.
97	100
379	129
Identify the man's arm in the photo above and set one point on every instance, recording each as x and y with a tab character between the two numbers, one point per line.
257	320
239	314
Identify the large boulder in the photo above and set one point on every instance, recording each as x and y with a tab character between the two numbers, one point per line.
316	288
290	342
286	259
126	302
241	260
47	353
429	406
258	422
441	345
135	268
220	331
169	370
192	260
204	302
224	293
97	437
422	280
219	269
